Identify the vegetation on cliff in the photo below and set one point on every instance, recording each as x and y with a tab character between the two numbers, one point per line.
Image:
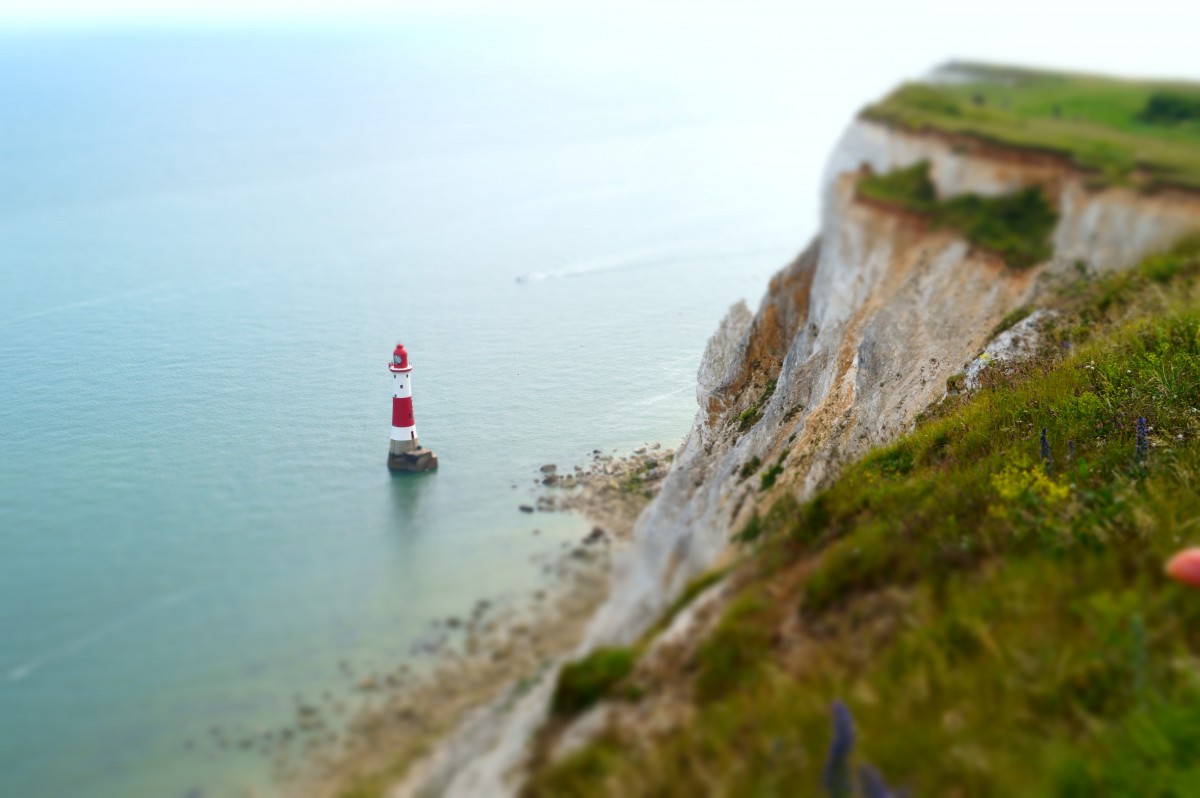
1016	226
1126	132
986	595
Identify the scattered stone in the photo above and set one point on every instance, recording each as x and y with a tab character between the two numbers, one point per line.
608	490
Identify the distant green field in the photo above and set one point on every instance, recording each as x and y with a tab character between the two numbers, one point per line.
1129	132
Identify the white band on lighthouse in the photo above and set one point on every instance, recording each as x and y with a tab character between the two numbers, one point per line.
401	387
404	433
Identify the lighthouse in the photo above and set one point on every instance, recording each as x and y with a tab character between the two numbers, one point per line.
405	452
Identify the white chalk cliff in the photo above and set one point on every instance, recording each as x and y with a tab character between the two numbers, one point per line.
851	342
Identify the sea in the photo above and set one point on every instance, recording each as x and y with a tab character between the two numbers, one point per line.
211	240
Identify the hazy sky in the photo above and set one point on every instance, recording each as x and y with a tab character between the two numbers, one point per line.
805	67
1134	37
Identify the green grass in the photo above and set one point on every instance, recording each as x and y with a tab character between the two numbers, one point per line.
749	417
729	659
910	187
769	476
1147	133
997	626
581	684
693	589
1016	226
750	466
690	593
1012	319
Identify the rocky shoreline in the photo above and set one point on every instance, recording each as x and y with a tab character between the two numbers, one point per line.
499	646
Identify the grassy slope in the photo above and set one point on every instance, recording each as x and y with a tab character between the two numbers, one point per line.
1097	122
999	625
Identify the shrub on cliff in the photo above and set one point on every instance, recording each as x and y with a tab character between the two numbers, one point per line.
581	684
911	187
1015	226
1170	108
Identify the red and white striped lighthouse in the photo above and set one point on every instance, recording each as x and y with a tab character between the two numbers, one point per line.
405	452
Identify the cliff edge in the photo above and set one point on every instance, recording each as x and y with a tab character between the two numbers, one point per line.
871	329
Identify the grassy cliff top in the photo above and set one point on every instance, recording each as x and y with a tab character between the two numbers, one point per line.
1128	132
986	595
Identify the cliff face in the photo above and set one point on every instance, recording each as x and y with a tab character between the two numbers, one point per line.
859	335
851	342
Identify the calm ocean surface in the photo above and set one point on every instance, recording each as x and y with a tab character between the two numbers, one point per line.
209	245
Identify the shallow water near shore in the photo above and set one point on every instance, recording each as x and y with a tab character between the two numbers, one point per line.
211	245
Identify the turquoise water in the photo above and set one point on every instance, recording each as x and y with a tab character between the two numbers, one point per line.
209	245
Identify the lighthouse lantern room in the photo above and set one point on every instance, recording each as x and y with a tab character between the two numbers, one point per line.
405	452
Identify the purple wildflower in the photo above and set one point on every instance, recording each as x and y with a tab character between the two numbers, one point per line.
1045	449
836	776
872	783
1143	443
1070	451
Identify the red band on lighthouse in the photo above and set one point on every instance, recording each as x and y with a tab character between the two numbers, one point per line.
402	412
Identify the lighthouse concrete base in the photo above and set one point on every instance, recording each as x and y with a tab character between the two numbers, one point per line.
415	461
